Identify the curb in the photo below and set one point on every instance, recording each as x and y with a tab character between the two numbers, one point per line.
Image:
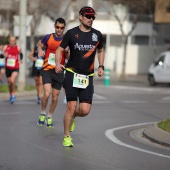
5	96
157	135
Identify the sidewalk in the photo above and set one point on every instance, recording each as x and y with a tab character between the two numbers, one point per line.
157	135
153	133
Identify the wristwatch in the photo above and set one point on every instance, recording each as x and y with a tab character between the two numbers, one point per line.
101	66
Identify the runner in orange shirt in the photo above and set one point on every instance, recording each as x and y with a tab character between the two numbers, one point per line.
52	81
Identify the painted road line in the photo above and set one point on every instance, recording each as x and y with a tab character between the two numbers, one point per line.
110	134
97	96
11	113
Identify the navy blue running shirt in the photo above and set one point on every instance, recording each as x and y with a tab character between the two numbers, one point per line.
83	47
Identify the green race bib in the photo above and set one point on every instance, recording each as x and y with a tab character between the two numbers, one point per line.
39	62
51	59
11	62
2	61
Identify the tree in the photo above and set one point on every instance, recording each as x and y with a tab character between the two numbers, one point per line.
133	11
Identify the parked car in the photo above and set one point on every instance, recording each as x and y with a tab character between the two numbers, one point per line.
159	70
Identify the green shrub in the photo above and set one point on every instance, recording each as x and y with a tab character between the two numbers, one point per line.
165	125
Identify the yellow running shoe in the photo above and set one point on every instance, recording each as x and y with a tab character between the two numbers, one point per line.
49	122
73	125
41	120
67	141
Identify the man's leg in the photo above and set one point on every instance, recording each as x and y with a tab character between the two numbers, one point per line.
11	83
68	118
46	95
83	110
54	100
2	73
47	92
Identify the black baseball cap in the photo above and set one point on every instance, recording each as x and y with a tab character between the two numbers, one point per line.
87	11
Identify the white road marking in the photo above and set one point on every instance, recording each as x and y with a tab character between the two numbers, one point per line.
97	96
166	98
98	102
133	101
110	134
139	89
12	113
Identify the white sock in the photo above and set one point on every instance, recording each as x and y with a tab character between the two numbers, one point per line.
43	112
50	115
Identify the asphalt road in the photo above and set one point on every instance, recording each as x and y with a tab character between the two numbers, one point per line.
109	138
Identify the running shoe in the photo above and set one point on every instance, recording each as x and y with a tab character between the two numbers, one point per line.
38	100
41	120
73	125
12	99
67	141
49	122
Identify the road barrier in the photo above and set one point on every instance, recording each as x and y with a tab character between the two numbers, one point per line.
107	77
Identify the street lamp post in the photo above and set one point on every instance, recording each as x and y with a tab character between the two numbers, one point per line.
22	42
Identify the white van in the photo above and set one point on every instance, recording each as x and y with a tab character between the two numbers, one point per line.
159	70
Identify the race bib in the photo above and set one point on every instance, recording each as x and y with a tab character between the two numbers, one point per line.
11	62
2	61
39	62
51	59
80	81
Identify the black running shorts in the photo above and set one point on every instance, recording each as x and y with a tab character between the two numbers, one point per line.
53	78
36	72
72	93
8	72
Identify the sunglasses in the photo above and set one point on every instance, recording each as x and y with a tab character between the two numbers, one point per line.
89	16
61	28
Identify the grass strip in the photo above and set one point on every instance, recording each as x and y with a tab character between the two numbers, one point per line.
165	125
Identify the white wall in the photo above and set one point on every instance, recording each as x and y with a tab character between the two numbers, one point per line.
112	27
138	59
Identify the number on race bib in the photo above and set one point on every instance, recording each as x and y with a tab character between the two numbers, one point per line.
80	81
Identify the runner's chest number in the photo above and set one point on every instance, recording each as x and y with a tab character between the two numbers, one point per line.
80	81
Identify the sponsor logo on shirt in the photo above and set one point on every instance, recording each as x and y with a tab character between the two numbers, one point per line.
76	36
94	37
83	47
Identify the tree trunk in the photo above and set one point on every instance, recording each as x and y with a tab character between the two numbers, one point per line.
123	75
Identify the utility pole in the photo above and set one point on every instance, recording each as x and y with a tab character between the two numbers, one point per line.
22	43
90	3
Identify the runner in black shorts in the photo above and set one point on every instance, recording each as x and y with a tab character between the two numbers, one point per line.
83	41
52	81
36	71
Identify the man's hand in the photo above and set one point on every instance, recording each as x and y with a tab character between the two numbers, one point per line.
100	71
41	53
59	68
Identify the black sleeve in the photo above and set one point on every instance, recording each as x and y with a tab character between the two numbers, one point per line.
1	56
100	42
66	40
21	56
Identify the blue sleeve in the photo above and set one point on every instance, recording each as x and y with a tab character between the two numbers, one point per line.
45	39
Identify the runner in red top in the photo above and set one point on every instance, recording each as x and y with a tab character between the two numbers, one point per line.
13	57
52	81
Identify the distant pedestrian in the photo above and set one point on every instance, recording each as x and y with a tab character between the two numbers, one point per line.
2	64
36	71
13	58
83	41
